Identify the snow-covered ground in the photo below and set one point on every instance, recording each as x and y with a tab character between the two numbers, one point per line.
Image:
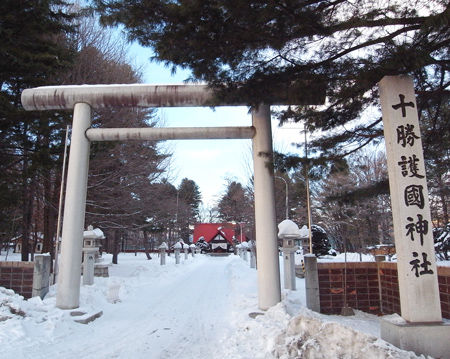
197	309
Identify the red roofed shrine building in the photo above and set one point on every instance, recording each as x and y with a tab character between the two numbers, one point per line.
217	236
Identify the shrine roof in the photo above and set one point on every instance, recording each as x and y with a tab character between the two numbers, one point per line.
209	230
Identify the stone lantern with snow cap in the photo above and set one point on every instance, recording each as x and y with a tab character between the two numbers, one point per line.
252	247
162	251
288	231
244	246
193	248
177	249
185	249
90	250
239	250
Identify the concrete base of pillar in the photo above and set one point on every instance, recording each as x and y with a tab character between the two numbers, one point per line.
425	338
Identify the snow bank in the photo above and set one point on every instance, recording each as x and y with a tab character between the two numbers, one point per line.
310	337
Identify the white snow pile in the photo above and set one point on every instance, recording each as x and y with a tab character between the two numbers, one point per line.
307	336
204	307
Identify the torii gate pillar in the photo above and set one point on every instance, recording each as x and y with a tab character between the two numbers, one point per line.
68	295
269	290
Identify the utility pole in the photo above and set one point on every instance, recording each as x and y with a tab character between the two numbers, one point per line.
308	204
61	193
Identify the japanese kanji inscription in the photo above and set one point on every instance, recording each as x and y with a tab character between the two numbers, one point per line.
417	274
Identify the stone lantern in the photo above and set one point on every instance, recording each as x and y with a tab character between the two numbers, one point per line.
162	251
193	248
239	249
90	250
185	248
288	231
244	246
252	248
177	249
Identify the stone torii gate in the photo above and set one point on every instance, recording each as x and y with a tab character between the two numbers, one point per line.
83	98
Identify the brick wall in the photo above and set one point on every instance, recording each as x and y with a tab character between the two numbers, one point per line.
17	276
444	290
363	289
389	288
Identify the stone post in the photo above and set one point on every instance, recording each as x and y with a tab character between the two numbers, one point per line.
312	283
193	248
41	275
185	249
417	274
162	256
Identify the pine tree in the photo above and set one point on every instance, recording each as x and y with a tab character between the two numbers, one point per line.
33	52
252	50
188	207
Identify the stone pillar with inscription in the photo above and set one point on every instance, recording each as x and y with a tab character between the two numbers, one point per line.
421	328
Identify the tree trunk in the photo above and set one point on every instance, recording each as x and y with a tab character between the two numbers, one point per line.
146	247
116	246
442	196
27	197
47	241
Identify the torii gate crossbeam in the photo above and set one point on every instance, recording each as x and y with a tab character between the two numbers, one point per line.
83	98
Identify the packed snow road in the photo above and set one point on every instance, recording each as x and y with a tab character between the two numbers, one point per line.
182	316
161	312
197	309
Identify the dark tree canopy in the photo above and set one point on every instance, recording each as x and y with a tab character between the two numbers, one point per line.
247	48
254	49
34	51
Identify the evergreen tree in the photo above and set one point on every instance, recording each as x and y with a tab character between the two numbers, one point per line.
234	206
188	207
320	244
33	52
252	50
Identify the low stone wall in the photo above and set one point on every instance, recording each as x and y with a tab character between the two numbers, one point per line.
371	287
17	276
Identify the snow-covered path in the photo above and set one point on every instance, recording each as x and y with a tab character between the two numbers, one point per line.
164	321
181	315
197	309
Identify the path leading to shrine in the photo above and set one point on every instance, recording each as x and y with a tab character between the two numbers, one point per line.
197	309
172	311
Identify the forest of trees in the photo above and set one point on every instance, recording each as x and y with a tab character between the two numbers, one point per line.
129	196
